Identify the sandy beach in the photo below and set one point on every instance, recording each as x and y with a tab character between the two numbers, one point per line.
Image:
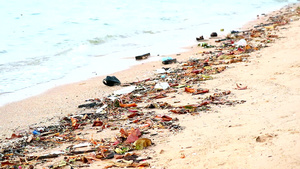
263	132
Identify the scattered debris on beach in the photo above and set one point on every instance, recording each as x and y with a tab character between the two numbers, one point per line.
141	57
132	115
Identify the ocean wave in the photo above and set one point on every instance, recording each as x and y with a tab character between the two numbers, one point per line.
3	51
149	32
105	39
18	65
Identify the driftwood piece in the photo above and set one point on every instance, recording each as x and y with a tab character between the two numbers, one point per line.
144	56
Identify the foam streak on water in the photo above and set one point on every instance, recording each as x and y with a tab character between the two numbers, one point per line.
47	43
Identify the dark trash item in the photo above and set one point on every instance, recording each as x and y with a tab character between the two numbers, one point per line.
88	105
144	56
168	60
233	32
110	156
111	81
214	34
220	40
200	38
262	25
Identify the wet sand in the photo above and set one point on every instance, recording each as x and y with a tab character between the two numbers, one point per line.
264	132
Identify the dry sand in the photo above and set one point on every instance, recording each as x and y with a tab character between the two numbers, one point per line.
264	132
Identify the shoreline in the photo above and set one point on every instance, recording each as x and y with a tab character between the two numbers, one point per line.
44	87
27	92
74	93
63	100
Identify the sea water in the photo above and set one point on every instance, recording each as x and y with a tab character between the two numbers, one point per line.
46	43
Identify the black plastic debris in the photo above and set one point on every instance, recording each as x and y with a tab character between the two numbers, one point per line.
214	34
88	105
144	56
111	81
200	38
168	60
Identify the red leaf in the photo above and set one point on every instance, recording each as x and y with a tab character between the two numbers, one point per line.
204	103
132	115
118	156
136	120
166	118
200	91
116	142
134	135
4	163
128	105
132	110
123	132
197	71
181	111
189	90
132	138
13	136
97	123
172	85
